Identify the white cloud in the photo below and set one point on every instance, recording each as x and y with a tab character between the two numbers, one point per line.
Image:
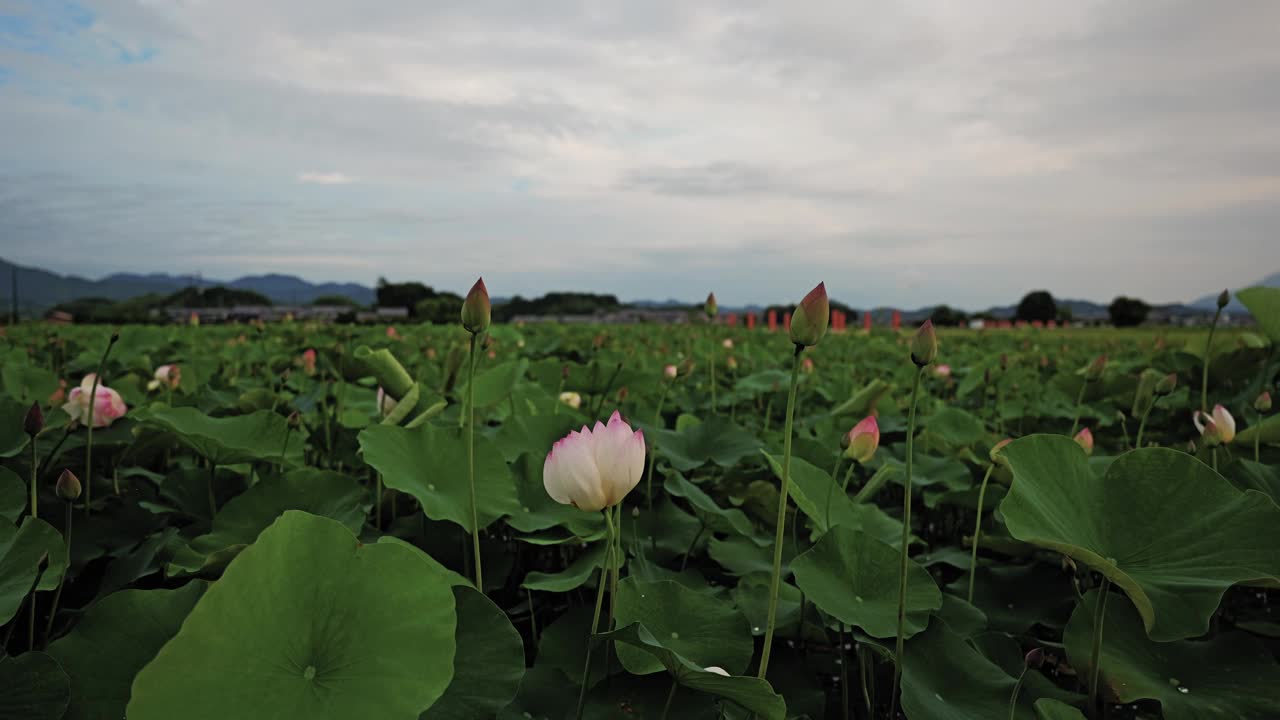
325	178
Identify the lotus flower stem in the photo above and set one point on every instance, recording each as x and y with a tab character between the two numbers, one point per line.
1075	424
1142	424
702	527
835	472
1017	689
844	676
93	403
666	708
595	621
866	677
57	595
711	367
471	462
657	420
1208	354
906	541
35	464
977	529
213	497
1099	616
780	529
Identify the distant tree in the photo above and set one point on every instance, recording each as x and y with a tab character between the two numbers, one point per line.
442	309
1128	312
557	303
405	295
335	300
218	296
946	315
1038	305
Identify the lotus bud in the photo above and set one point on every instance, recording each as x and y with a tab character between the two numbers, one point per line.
1263	403
68	486
1084	439
295	419
593	469
731	363
811	316
806	366
710	307
924	345
309	361
1167	384
1096	368
942	371
33	423
623	394
476	310
861	442
1034	659
670	372
1216	428
1004	361
572	399
564	372
1224	299
995	455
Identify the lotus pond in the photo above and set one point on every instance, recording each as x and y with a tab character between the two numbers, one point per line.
290	521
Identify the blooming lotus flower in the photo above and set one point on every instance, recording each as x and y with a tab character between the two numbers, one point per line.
1216	428
107	404
861	442
309	361
670	371
594	469
942	371
727	344
572	399
386	403
169	375
1084	439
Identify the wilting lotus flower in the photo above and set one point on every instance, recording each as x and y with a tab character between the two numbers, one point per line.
106	408
670	372
386	403
942	371
1084	439
309	361
861	442
572	399
1217	428
594	469
169	375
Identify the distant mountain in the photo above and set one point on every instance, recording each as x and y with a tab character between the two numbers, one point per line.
1210	302
40	289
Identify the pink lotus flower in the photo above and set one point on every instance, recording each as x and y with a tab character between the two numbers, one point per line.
107	406
1217	428
1084	439
861	442
942	371
727	344
670	372
169	375
391	332
309	361
594	469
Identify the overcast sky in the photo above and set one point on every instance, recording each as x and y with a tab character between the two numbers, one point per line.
904	152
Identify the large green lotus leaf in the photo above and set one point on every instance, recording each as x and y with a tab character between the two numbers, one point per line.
1264	305
534	434
731	519
238	523
1249	475
574	576
945	678
1016	598
12	437
751	595
1268	429
854	578
764	382
536	510
545	693
229	440
495	384
27	383
715	439
1160	524
23	551
750	692
955	427
13	495
119	635
430	463
308	623
811	487
33	687
701	628
488	664
1231	676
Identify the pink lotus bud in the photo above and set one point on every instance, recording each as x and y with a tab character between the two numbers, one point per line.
108	406
33	422
924	345
476	311
710	307
391	333
386	403
1263	403
994	453
863	440
1084	439
309	361
942	371
811	317
166	376
670	372
806	365
595	469
1034	658
1167	384
1217	428
1096	368
68	486
1224	299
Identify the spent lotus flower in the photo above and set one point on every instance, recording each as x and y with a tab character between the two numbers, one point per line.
107	407
1217	427
572	399
592	469
861	442
1084	439
166	375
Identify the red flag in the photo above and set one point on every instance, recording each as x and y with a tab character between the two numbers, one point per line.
897	319
751	321
773	321
866	321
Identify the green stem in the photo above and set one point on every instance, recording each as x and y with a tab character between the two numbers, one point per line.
711	363
471	463
213	498
35	464
1142	424
666	708
595	623
57	596
977	529
844	678
615	559
1075	424
835	471
780	529
906	542
377	502
1208	353
1257	436
684	562
1099	615
1013	699
93	402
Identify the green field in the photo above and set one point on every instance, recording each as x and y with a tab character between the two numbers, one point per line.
255	537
